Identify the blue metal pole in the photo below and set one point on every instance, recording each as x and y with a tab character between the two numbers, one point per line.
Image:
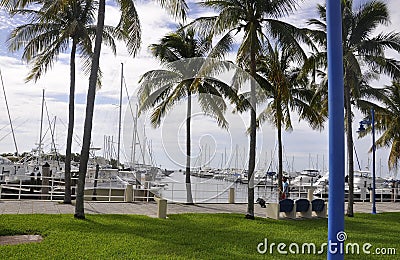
336	130
373	160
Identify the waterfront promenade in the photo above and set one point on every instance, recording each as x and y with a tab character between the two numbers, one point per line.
150	208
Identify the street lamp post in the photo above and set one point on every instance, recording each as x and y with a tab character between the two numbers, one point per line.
361	129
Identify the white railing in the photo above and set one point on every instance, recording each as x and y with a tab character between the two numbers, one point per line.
109	189
106	190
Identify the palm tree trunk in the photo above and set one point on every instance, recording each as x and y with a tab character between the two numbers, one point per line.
67	195
87	133
280	152
189	198
350	160
252	147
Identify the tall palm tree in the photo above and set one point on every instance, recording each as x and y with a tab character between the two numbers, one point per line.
182	78
388	122
363	55
257	19
51	30
129	23
287	91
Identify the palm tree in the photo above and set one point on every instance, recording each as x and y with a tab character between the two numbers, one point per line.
257	19
363	56
388	121
50	31
286	90
182	78
129	23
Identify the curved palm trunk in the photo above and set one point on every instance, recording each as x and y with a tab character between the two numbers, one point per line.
350	161
252	147
189	198
87	134
67	195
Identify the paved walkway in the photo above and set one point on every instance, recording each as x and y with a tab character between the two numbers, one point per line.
150	208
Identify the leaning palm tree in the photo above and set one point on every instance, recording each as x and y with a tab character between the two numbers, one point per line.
51	30
181	53
257	19
363	54
287	90
129	23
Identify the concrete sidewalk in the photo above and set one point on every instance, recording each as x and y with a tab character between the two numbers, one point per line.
150	208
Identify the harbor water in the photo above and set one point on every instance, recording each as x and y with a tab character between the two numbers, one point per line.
210	190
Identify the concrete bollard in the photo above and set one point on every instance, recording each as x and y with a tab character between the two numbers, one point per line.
370	196
138	179
310	193
161	207
45	181
363	195
129	193
147	181
96	177
231	196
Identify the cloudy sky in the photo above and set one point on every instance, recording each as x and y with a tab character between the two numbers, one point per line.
303	147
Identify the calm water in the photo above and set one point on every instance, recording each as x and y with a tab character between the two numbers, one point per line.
206	190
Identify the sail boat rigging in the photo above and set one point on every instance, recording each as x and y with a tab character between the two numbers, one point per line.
120	116
8	112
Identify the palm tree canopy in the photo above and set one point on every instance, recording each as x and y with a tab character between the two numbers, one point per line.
16	4
258	20
287	89
186	72
53	26
388	123
363	49
182	44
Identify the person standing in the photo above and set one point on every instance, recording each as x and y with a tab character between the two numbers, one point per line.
285	187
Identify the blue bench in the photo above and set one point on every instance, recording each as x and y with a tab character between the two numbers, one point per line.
303	208
319	207
286	206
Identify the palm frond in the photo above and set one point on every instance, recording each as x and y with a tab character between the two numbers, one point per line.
177	8
367	19
129	25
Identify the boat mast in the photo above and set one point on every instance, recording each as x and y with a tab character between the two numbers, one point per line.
8	112
143	150
134	136
237	157
225	158
120	115
40	131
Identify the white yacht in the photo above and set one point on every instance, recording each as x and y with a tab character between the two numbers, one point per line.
362	183
305	179
10	170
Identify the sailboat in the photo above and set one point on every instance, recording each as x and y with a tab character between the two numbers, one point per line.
141	175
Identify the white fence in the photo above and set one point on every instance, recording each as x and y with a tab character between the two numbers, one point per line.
110	189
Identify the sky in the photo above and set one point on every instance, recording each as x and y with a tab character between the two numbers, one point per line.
211	145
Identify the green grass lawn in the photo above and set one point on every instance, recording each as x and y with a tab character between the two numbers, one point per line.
185	236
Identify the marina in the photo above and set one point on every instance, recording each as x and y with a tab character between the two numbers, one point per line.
21	181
